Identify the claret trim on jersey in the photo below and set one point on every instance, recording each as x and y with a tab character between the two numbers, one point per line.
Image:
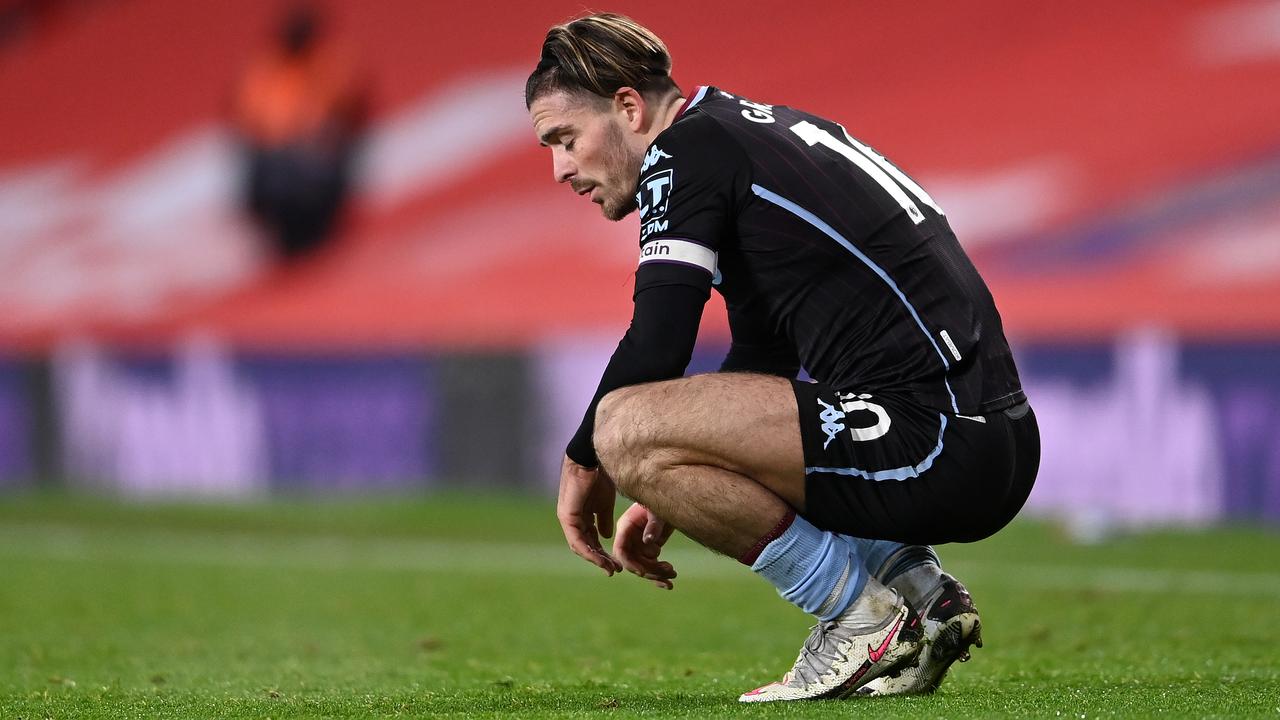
696	98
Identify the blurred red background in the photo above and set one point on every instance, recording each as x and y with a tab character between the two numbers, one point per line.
1108	166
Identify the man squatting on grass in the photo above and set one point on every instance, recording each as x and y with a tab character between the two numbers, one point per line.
829	258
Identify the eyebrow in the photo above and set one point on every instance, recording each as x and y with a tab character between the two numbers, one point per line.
552	132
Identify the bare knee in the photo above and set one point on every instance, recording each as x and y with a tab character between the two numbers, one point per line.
614	435
626	449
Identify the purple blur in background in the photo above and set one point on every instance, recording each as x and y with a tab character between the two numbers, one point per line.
205	423
16	464
1147	431
345	423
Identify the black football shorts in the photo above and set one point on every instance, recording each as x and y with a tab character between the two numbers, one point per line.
882	466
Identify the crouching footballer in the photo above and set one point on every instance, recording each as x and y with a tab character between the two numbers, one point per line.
914	430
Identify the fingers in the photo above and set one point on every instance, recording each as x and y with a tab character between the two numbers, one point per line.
626	543
661	574
584	501
585	512
654	531
637	554
585	543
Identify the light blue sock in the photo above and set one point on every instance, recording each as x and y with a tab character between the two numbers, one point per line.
875	552
818	571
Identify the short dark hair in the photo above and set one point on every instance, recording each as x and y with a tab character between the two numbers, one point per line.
598	54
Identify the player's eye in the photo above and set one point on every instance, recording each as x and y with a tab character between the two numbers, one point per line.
569	145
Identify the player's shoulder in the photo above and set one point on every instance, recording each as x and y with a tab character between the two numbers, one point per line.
718	120
743	118
694	131
728	108
698	134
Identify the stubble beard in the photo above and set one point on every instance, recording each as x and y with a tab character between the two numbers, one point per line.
621	174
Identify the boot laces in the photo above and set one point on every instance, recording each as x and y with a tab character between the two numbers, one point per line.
811	664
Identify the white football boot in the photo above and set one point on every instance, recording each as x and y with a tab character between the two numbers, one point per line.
843	654
951	626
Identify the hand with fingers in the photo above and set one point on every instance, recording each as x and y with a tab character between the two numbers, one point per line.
585	511
641	535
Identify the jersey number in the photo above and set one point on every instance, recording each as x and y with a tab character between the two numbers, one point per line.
894	181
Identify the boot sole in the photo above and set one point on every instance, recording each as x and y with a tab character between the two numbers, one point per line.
951	645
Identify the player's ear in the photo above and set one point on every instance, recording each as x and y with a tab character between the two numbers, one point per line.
630	104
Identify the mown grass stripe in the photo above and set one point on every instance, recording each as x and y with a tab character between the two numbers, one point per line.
319	552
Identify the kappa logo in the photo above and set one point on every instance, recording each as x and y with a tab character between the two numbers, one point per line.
830	422
833	419
654	192
652	158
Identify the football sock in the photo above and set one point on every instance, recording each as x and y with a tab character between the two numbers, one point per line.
878	555
872	606
818	571
916	583
913	570
748	558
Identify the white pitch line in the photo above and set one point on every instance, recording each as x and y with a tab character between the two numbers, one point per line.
343	553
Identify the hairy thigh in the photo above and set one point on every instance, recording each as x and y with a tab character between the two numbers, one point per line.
742	422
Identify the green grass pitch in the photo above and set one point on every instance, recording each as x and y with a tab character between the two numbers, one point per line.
464	606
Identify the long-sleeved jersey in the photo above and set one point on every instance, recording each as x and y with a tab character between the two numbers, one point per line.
827	255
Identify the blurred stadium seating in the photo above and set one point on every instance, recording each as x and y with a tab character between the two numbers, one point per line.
1113	168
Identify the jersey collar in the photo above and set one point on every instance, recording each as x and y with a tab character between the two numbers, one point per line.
699	93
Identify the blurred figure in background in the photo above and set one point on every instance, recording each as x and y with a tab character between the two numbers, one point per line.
299	111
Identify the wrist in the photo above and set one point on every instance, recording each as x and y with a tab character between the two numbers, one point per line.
583	460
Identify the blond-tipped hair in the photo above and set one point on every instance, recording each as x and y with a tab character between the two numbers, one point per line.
597	55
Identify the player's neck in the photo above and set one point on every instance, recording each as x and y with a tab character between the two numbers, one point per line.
669	112
663	115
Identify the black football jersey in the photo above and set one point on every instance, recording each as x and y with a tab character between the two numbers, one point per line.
828	257
820	245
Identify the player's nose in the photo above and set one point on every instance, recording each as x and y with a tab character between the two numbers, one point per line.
561	166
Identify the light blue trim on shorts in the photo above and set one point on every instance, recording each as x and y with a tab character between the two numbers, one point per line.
901	473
